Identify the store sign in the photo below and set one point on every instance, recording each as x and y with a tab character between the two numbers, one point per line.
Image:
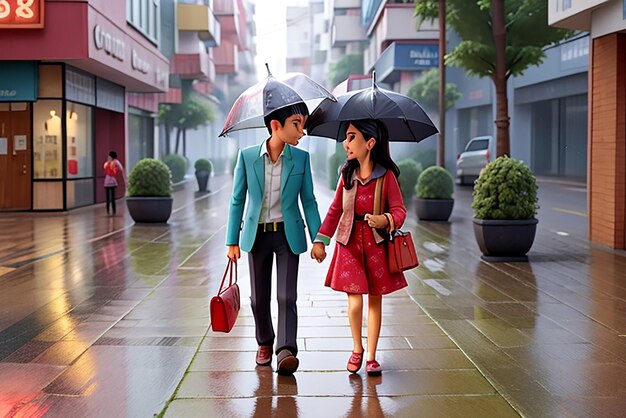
24	14
18	81
417	56
116	49
109	43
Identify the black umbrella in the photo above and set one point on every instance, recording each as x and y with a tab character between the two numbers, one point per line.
270	94
404	118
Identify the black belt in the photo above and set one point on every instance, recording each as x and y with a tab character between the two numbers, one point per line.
271	227
359	217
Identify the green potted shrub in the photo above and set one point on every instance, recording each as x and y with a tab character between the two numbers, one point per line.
434	194
505	206
177	165
203	172
409	173
150	191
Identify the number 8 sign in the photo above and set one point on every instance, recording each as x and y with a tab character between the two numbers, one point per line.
21	14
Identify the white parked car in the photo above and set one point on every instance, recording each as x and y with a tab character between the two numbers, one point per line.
477	154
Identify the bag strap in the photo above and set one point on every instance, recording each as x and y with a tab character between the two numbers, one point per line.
229	270
378	197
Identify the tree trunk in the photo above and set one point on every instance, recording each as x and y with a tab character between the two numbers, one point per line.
441	141
178	133
184	142
168	142
500	79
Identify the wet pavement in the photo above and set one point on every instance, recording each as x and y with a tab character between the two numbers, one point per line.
101	317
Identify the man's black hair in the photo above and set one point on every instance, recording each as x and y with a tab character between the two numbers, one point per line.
283	113
113	154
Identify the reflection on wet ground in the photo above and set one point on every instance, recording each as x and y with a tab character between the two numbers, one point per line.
101	317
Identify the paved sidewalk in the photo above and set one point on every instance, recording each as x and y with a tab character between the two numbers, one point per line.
101	317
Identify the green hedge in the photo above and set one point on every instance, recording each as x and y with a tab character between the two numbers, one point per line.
150	177
177	165
409	172
506	189
435	183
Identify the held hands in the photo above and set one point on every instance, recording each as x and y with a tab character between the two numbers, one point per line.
233	252
376	221
318	252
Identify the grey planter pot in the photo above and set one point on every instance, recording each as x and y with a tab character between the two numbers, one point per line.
434	209
202	177
505	240
149	209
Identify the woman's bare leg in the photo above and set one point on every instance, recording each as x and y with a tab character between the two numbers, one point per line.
374	322
355	315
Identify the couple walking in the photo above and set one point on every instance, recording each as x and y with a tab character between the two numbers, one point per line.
272	176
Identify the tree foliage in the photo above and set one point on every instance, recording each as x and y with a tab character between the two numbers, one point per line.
527	33
425	91
348	65
191	113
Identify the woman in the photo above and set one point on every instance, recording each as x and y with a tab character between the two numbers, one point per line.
359	264
112	167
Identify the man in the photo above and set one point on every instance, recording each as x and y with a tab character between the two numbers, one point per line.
273	175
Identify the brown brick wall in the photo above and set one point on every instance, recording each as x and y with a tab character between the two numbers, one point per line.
607	150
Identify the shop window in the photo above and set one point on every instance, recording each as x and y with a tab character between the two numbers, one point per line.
47	139
80	193
50	81
79	141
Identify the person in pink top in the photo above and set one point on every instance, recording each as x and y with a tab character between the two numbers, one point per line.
359	265
112	167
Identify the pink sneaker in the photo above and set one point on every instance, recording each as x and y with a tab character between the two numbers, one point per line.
373	368
264	355
354	362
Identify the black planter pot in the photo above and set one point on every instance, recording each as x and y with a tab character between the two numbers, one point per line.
149	209
504	240
434	209
202	177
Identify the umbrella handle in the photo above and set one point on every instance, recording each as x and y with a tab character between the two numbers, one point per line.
267	67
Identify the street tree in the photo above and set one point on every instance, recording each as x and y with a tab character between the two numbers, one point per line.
425	91
499	39
191	113
349	64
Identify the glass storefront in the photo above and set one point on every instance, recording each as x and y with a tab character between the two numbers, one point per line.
64	174
559	137
140	136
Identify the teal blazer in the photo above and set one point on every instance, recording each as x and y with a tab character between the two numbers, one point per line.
296	180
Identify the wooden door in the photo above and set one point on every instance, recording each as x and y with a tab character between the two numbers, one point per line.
15	157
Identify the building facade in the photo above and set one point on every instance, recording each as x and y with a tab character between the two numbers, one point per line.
605	20
63	105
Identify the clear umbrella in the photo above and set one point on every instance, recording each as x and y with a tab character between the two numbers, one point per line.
270	94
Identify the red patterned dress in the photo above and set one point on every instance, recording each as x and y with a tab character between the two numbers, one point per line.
360	266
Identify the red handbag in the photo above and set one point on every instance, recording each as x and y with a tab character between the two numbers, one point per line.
224	307
401	252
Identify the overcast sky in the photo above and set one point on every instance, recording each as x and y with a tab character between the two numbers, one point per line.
271	32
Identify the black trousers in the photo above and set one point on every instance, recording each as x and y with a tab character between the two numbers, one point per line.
110	195
261	260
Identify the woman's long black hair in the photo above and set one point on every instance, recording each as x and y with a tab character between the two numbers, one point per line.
370	128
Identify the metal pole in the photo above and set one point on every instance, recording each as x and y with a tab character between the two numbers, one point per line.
441	141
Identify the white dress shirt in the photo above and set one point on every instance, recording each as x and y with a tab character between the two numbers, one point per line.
271	211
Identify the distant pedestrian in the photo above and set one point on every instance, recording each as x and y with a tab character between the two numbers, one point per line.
360	217
112	167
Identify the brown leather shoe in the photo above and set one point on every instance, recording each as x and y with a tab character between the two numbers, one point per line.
264	355
287	363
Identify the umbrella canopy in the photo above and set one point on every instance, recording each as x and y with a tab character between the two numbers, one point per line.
270	94
404	117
